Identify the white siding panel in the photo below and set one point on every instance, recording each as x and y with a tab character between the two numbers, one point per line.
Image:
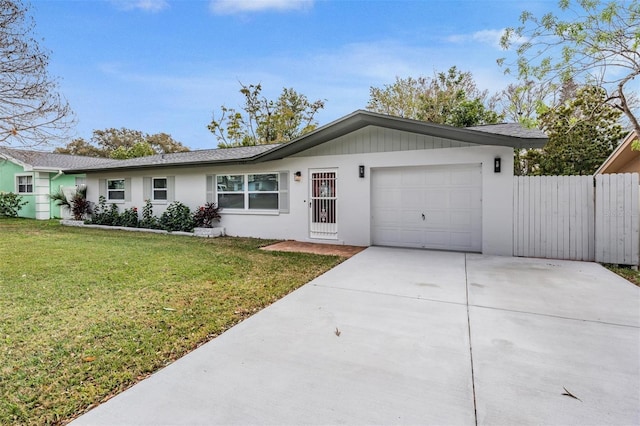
373	139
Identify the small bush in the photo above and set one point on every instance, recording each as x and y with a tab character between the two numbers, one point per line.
207	216
104	215
129	218
10	204
148	221
177	217
113	216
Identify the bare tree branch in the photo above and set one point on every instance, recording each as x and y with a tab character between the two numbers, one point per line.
32	112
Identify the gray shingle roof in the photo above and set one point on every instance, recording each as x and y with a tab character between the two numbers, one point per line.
512	135
509	129
51	160
190	157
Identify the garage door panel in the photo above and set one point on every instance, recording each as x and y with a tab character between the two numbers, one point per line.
388	197
436	197
412	198
461	239
436	219
387	179
410	217
437	239
412	178
462	199
450	197
461	219
388	236
385	217
462	177
435	178
411	237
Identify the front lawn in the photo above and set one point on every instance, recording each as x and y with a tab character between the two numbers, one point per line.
85	313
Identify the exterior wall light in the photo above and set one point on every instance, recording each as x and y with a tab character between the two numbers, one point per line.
497	162
361	171
297	176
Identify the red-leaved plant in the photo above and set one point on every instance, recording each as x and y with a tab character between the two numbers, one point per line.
206	216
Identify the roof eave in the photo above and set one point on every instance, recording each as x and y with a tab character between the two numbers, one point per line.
610	161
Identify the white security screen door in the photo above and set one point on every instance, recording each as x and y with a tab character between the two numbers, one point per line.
323	204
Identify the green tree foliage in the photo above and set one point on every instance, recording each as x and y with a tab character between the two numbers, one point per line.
32	112
263	121
139	149
79	146
400	99
450	98
583	130
122	143
599	46
454	99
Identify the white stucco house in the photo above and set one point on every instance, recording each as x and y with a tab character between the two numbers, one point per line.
365	179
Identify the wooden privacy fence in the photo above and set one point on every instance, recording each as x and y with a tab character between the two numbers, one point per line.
617	219
567	217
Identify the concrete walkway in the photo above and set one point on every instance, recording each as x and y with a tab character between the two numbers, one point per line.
398	336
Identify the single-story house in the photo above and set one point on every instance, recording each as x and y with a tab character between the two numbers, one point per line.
34	175
623	159
365	179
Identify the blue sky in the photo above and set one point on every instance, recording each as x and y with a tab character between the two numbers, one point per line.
166	66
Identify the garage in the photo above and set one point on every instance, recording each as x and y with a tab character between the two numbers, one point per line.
434	207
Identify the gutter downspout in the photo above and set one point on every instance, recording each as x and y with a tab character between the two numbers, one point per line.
60	173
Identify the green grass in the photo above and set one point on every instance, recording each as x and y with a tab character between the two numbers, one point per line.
86	313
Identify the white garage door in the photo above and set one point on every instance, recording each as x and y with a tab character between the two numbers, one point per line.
436	207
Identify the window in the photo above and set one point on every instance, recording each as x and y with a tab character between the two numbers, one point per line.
230	191
160	189
249	191
24	184
263	191
115	189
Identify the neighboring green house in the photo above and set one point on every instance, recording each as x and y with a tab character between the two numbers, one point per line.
35	175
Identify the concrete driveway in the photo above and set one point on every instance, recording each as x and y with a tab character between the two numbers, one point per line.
399	336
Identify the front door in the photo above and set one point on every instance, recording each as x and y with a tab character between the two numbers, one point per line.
323	204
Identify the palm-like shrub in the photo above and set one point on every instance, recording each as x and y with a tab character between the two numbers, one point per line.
77	204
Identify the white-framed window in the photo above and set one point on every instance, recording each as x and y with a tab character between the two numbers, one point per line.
159	189
24	184
231	191
115	190
251	191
